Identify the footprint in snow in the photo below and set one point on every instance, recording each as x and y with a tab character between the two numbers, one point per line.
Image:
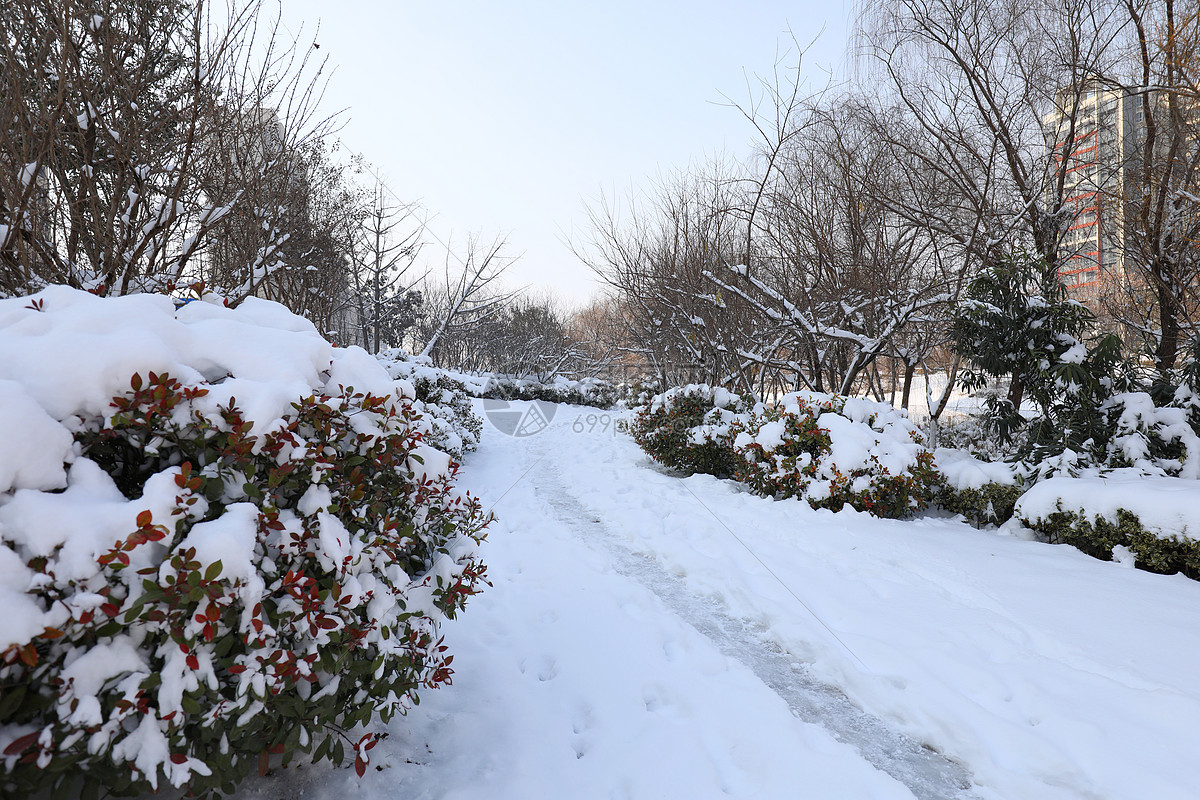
546	668
652	696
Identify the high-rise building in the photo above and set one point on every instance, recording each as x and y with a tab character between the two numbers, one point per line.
1093	160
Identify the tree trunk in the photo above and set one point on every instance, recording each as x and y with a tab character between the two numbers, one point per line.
910	367
1016	392
1167	350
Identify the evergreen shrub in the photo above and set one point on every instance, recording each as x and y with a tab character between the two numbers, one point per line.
688	429
835	451
443	400
276	591
1097	536
991	503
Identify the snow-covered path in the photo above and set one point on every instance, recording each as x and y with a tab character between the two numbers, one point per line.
651	637
924	772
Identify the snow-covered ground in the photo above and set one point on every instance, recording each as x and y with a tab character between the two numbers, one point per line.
648	636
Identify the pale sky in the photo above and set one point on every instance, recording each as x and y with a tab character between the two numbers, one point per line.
506	118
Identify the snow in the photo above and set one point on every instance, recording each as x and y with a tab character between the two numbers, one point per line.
270	358
91	514
23	615
1166	507
1034	670
35	444
963	471
88	673
229	539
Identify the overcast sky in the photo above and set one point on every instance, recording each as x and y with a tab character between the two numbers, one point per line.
506	118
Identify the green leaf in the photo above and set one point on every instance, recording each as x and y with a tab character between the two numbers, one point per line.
63	788
10	701
213	571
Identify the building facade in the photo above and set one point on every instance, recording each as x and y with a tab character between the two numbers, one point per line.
1093	161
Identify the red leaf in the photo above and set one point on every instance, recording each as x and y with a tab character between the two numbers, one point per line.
328	623
192	661
112	609
275	748
264	763
144	519
178	758
208	632
360	766
20	745
236	669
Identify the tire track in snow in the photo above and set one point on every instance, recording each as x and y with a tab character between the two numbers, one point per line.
928	774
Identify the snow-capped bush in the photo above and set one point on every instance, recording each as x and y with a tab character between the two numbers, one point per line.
234	554
829	450
585	392
834	451
443	398
1155	440
688	428
1122	515
982	491
637	394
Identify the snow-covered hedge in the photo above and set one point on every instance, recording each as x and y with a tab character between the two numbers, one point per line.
831	451
443	398
638	394
585	392
212	548
834	451
1122	515
984	492
688	428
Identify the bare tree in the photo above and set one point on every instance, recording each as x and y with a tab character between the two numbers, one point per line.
972	83
465	303
117	117
655	259
1156	296
385	288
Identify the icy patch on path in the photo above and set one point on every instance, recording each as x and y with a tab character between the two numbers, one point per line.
927	774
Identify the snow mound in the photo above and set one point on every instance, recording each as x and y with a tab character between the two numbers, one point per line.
1165	506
